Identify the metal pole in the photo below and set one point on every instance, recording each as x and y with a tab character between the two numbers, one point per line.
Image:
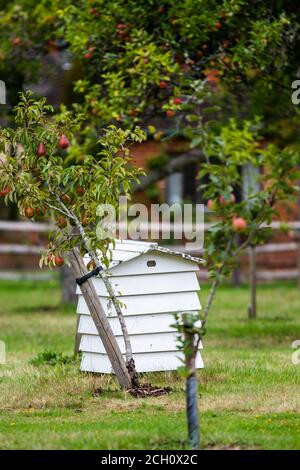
191	386
192	411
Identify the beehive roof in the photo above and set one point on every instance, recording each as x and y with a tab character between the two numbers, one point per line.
125	250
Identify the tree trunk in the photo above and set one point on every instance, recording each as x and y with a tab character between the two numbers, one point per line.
68	287
252	310
236	273
130	363
101	322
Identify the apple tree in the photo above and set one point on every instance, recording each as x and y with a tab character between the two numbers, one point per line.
36	176
134	60
243	222
238	223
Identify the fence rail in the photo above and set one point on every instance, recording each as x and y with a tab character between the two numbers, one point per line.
24	226
280	247
12	226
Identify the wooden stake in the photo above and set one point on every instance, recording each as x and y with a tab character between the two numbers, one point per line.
101	322
77	337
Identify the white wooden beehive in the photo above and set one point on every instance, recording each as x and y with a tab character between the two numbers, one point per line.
153	283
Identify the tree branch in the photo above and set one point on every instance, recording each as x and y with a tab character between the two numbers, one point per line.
87	243
56	209
214	286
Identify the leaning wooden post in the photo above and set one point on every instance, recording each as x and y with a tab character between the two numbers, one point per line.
252	310
101	322
190	351
77	337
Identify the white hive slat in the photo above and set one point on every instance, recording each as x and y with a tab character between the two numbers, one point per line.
132	245
146	304
118	256
140	343
145	362
136	324
125	250
156	284
121	255
147	343
164	263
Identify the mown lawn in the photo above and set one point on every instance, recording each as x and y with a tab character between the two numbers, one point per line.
249	389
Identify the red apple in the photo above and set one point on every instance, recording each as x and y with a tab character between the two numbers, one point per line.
177	101
218	24
232	199
93	11
212	76
163	84
52	43
133	112
41	150
16	41
5	191
80	190
91	265
63	142
40	211
59	261
61	222
226	60
224	202
212	205
29	212
122	34
170	113
88	55
66	199
239	224
84	220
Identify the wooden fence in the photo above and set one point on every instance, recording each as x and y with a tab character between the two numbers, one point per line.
23	249
269	248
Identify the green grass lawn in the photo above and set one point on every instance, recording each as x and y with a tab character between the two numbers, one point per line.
249	390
